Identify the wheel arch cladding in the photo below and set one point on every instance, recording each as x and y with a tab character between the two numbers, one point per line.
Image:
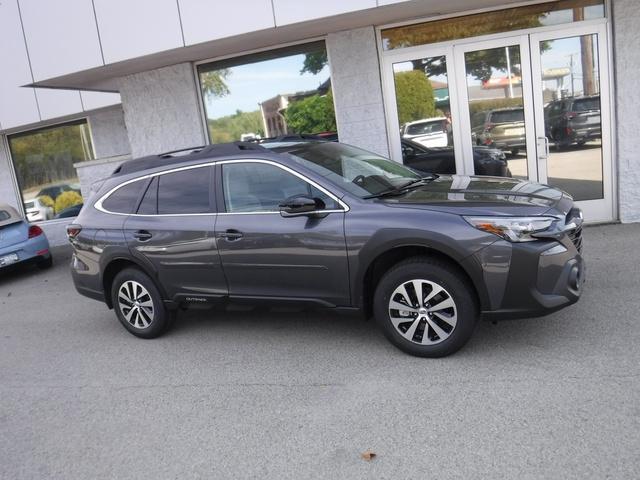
386	259
115	266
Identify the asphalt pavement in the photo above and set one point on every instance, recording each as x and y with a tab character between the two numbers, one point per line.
263	394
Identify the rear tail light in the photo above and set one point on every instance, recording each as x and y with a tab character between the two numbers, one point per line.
73	231
569	131
35	231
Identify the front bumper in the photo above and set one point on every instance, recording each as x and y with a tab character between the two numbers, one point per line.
523	281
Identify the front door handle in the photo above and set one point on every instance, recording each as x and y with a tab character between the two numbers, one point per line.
230	234
142	235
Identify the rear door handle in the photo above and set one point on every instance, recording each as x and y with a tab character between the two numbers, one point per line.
142	235
230	234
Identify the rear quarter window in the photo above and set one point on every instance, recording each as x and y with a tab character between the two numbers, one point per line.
4	215
125	198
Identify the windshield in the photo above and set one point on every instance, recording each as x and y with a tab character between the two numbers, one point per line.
425	128
507	116
360	172
586	104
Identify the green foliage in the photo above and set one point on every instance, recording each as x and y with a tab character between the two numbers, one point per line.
313	114
47	156
486	105
414	96
213	83
229	128
47	201
314	62
67	199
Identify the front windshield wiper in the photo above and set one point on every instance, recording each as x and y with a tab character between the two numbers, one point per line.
404	187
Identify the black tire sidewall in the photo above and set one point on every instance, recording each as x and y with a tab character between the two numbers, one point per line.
161	318
458	288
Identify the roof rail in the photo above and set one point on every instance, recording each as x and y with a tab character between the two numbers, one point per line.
186	155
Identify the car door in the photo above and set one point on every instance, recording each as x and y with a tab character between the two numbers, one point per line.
265	255
173	230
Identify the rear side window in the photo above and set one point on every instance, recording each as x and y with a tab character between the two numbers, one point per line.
124	199
186	191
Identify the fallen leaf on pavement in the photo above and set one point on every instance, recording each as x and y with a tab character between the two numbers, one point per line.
368	455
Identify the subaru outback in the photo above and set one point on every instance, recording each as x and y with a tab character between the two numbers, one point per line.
324	224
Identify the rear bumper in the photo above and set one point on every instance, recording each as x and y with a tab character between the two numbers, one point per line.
31	251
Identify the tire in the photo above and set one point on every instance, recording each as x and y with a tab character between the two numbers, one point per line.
46	263
149	317
450	288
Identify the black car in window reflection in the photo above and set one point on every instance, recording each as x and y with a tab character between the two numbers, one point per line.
486	161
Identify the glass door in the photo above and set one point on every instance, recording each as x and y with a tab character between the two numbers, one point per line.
571	85
494	84
421	110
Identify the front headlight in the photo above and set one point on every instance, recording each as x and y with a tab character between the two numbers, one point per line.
513	229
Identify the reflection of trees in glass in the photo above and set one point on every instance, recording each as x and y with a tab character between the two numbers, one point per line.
48	156
414	96
214	84
313	114
229	128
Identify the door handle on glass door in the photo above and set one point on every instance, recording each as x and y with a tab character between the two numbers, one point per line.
545	142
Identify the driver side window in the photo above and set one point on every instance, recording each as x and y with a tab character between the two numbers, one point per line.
260	187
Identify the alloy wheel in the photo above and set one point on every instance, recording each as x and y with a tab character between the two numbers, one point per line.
136	304
423	312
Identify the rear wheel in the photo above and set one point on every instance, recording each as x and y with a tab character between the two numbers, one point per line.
138	304
425	307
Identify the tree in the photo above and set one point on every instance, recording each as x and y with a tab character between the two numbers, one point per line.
313	114
213	82
314	62
229	128
414	96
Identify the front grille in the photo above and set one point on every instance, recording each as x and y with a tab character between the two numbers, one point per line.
575	234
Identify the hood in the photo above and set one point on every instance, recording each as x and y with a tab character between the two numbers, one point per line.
469	195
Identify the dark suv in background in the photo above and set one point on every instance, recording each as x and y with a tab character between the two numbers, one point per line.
324	224
573	120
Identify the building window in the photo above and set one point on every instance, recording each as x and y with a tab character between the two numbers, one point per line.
279	92
43	161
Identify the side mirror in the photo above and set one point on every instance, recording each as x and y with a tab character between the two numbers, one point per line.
408	152
300	205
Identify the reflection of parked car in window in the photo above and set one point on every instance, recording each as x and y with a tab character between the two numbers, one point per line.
501	128
70	212
573	120
54	191
37	211
430	132
322	223
21	242
486	161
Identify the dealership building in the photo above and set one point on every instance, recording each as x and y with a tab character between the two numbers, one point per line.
88	84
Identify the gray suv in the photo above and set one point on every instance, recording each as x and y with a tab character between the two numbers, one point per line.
313	223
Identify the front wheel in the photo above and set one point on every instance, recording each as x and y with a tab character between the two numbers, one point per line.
138	304
425	307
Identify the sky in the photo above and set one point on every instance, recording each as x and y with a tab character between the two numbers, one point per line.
256	82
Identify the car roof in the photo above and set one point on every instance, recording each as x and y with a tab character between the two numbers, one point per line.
9	216
177	157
